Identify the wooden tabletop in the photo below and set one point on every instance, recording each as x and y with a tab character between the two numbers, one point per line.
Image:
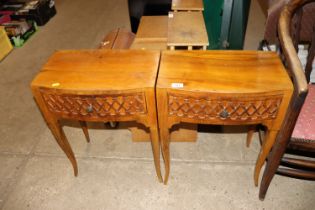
149	45
187	28
223	71
187	5
152	28
103	70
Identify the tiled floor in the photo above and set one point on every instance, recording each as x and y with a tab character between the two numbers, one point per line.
114	173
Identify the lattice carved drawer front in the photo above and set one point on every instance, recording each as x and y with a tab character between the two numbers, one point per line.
95	107
224	109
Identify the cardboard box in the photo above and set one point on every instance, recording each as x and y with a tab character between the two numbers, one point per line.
20	31
39	11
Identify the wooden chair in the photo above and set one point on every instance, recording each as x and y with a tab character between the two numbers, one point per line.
298	130
273	9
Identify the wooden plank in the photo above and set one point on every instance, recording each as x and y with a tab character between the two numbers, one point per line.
189	5
152	28
187	28
149	44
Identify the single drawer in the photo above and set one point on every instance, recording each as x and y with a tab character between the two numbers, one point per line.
220	109
95	107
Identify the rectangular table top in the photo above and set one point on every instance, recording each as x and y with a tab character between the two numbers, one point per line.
148	45
187	29
103	70
152	28
223	71
187	5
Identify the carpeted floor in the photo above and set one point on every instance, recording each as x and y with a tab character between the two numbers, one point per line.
114	173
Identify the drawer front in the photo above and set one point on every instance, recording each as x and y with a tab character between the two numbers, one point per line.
236	109
95	107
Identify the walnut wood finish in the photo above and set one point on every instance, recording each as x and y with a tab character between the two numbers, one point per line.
187	29
221	87
298	162
296	72
102	86
296	173
310	58
187	5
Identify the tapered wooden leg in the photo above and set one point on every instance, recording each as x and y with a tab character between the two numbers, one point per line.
165	143
156	151
85	130
250	133
61	139
113	124
264	151
56	129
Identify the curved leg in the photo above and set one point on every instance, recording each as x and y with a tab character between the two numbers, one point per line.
85	130
61	139
165	142
113	124
250	133
156	151
272	164
264	151
56	129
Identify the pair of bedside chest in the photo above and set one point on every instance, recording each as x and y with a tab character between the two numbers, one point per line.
162	89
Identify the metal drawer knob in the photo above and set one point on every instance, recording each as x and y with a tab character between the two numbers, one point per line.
89	109
224	114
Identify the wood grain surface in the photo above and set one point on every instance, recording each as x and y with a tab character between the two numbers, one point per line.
99	70
190	5
223	88
187	29
152	28
223	71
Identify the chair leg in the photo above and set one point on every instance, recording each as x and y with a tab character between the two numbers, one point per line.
272	166
264	151
273	162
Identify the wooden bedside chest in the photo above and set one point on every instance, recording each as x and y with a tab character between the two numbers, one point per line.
99	86
224	88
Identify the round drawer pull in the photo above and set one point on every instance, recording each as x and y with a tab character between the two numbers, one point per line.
224	114
89	109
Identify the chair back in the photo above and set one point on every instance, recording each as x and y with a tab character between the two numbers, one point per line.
274	10
289	38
